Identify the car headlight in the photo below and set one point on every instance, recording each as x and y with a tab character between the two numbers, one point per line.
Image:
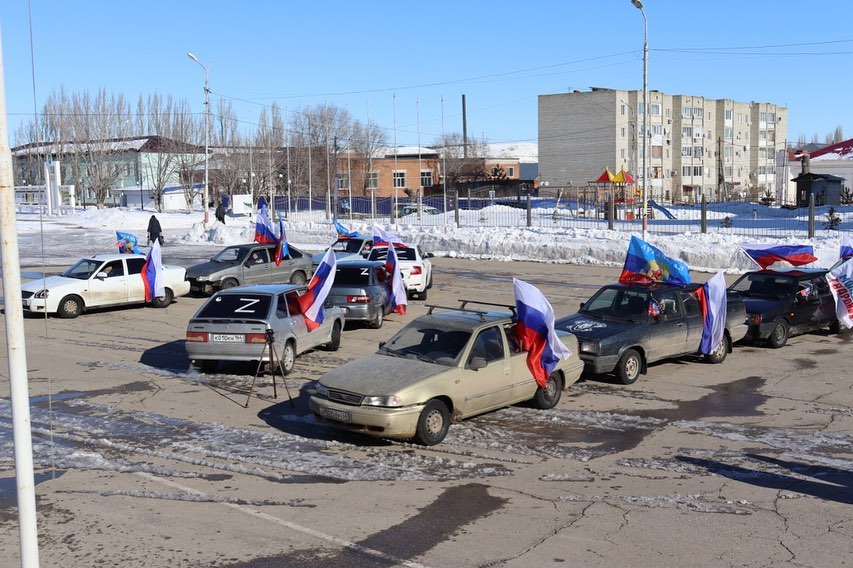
590	347
392	401
41	294
202	278
320	390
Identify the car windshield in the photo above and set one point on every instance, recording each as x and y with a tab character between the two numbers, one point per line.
428	343
83	270
231	254
351	246
403	253
767	285
236	306
617	303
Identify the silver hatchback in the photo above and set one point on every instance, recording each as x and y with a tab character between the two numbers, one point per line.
251	263
361	291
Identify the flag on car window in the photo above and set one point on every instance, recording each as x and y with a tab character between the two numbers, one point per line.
281	248
265	231
714	305
398	297
535	331
152	273
765	255
382	237
126	242
318	289
654	308
645	264
846	247
343	232
840	280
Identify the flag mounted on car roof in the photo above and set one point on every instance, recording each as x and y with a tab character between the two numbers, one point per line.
645	264
265	231
398	296
126	242
152	273
765	255
535	331
318	290
382	237
343	232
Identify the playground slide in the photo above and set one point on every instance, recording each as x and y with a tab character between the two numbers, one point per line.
662	209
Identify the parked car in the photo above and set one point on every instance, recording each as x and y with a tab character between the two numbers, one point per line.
403	209
447	365
414	264
782	303
247	264
99	281
617	332
346	249
361	292
233	324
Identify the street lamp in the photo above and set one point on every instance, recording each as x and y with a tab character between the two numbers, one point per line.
639	5
206	133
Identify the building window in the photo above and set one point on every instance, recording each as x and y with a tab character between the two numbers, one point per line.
728	114
687	151
399	179
622	153
372	180
657	152
654	109
697	151
426	178
510	172
686	112
728	132
622	130
685	171
697	112
622	110
697	171
657	129
686	132
343	181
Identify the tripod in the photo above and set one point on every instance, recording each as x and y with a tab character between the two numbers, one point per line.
275	368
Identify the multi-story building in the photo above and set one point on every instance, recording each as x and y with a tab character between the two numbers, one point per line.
721	148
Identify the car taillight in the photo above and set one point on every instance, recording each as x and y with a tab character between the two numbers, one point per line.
256	338
197	336
756	319
416	270
358	299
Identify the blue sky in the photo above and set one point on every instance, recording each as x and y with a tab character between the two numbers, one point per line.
394	61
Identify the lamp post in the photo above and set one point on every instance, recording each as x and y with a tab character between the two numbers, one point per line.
206	133
639	5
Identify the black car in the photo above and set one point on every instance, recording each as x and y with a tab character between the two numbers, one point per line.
782	303
623	328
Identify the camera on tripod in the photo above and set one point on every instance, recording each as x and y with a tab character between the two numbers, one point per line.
270	335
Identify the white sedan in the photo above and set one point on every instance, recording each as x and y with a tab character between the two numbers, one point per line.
414	264
99	281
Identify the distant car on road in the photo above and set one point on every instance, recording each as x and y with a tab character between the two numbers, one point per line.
251	263
233	324
99	281
445	366
346	249
414	264
782	303
361	291
617	331
403	209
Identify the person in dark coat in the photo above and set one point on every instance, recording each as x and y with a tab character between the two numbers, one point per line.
154	230
220	213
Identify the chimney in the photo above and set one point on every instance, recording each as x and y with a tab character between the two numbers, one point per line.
805	161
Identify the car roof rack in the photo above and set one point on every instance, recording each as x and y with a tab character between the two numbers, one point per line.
482	313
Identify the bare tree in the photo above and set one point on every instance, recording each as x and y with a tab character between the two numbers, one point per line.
462	166
367	143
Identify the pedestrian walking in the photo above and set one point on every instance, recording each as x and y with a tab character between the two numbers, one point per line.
155	233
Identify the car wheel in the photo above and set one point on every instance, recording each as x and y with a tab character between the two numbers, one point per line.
429	284
298	278
548	396
629	367
70	307
163	301
423	295
835	326
335	343
379	320
718	355
433	423
207	366
228	283
288	358
779	335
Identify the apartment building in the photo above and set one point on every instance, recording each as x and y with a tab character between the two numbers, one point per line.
696	146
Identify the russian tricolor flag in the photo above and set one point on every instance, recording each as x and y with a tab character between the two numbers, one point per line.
398	296
765	255
152	273
714	303
535	331
318	290
281	248
846	247
265	232
382	237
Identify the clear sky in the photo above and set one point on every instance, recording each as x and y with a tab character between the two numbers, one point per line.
394	61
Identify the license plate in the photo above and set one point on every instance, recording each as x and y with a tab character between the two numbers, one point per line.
338	415
228	337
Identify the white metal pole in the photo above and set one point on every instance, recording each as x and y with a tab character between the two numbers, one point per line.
639	5
206	134
16	346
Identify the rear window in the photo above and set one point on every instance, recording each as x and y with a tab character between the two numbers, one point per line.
352	276
402	253
236	306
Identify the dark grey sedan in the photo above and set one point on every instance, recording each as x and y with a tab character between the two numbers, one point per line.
251	263
361	291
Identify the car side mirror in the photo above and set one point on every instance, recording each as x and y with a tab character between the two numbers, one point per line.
477	363
101	275
582	304
381	344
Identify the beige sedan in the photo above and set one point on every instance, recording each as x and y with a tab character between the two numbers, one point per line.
446	366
